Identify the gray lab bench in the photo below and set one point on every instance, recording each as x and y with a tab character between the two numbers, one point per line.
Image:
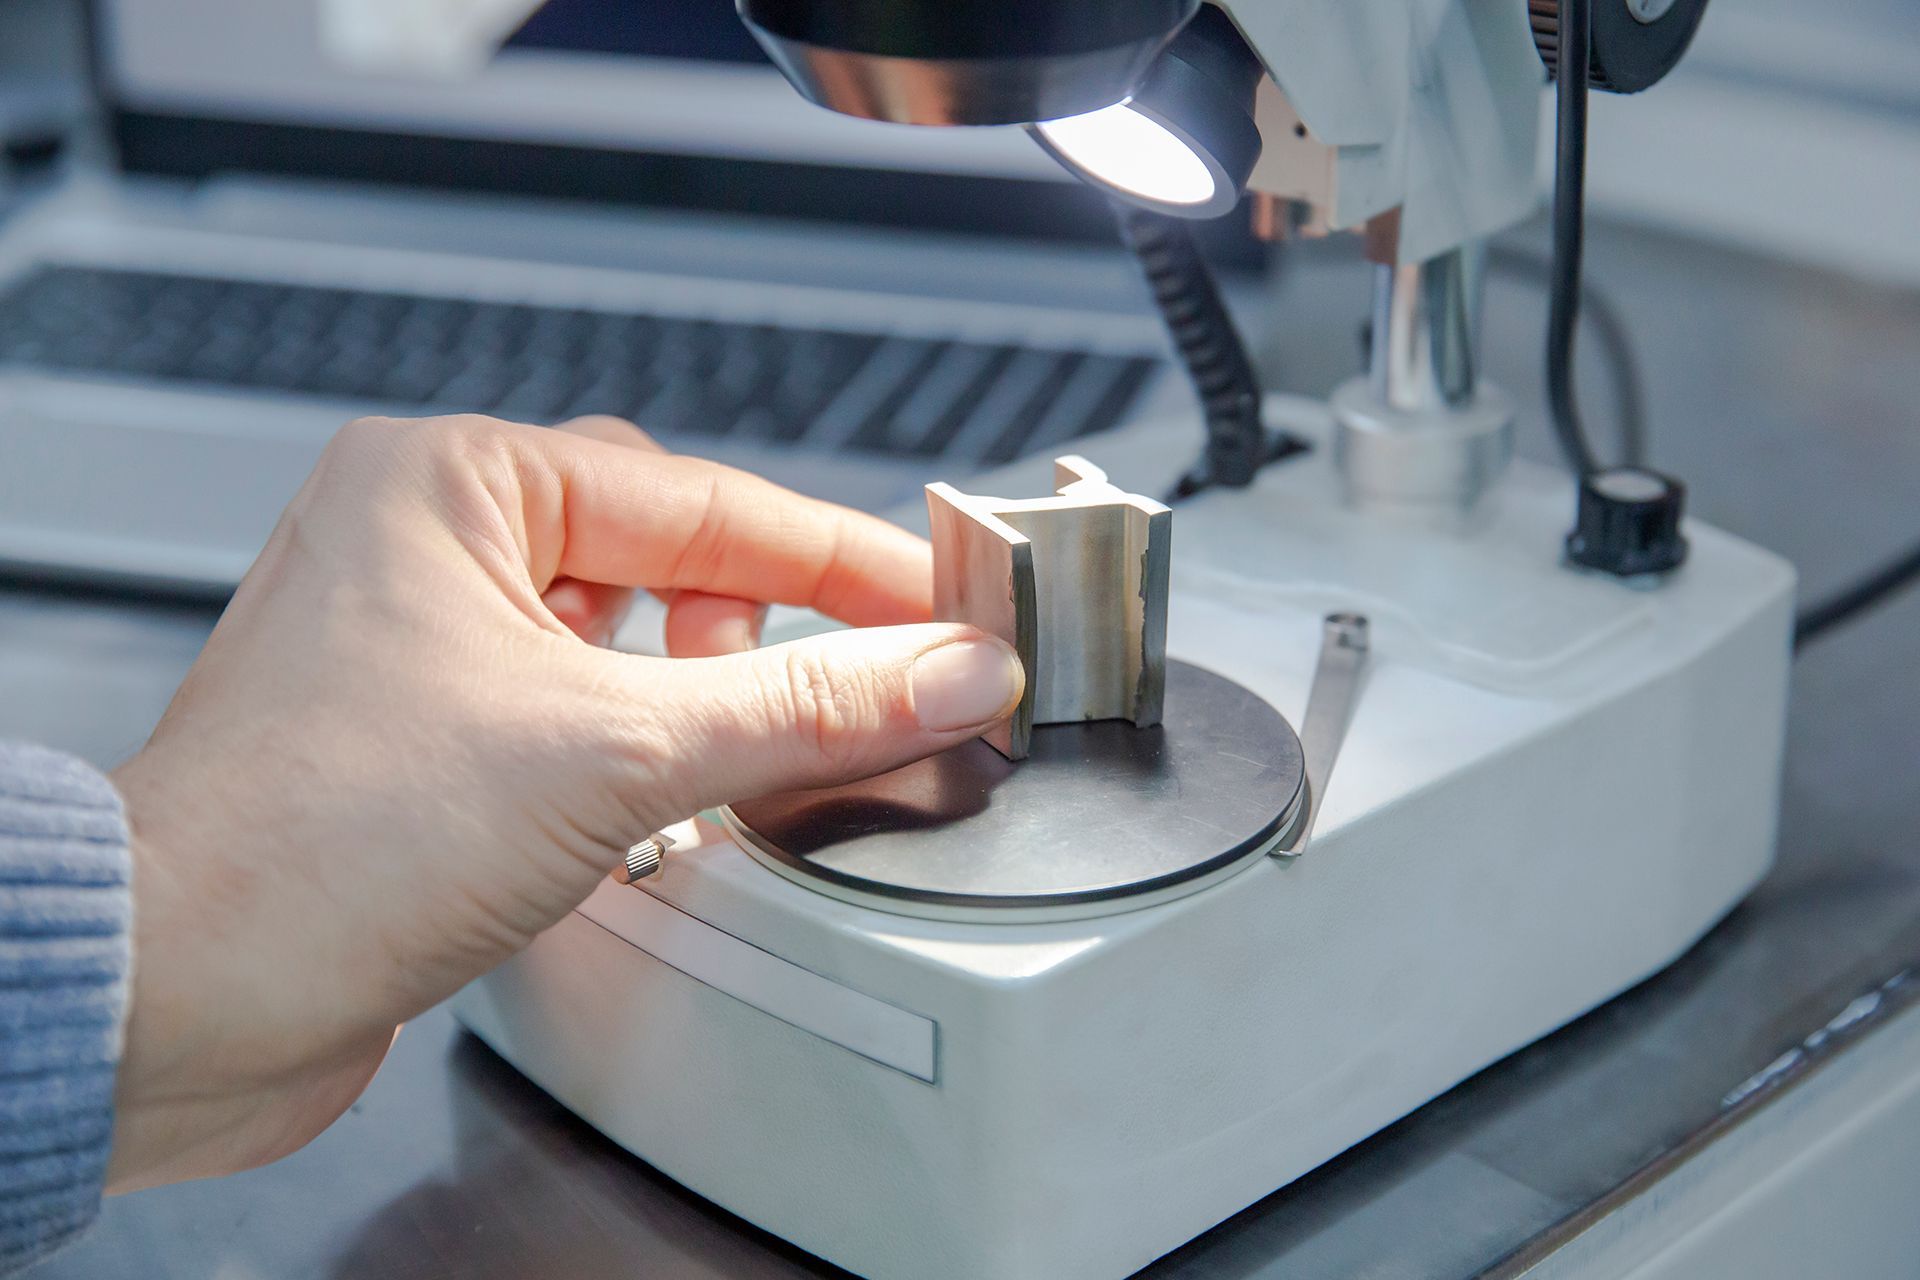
1788	399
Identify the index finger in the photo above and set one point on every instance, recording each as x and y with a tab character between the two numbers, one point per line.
663	521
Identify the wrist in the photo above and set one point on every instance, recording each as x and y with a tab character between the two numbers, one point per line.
151	1114
229	1059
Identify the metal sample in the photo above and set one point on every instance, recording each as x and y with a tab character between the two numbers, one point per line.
1076	583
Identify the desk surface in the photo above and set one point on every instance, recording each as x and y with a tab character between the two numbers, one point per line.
1784	396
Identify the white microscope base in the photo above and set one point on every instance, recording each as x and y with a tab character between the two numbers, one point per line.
1553	784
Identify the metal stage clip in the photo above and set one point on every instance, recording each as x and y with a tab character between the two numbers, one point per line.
1344	649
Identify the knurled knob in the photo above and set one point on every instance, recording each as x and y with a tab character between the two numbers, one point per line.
643	859
1629	522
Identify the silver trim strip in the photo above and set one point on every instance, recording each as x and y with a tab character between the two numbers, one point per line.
872	1028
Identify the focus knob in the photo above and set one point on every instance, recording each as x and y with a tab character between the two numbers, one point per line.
1633	43
1629	522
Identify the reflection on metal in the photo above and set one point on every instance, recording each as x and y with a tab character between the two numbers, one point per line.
1101	817
1330	699
1424	313
1076	583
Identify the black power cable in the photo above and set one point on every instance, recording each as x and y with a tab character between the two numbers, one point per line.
1855	599
1211	350
1601	317
1569	230
1572	64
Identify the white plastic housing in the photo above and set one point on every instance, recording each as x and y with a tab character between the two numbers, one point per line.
1430	107
1554	783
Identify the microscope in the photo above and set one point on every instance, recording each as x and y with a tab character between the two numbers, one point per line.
1051	1005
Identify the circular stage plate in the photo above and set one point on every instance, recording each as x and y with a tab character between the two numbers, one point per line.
1100	817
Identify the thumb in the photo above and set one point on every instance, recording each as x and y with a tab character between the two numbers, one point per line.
825	710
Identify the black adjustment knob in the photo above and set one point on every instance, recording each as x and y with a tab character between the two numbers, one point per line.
1632	43
1629	522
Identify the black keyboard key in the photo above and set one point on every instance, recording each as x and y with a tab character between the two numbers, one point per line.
1119	396
286	366
1072	413
475	389
223	358
933	412
875	390
1008	415
414	378
816	367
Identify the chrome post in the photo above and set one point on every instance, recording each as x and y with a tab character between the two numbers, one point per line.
1420	434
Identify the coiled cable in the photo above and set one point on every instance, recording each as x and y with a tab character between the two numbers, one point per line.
1210	349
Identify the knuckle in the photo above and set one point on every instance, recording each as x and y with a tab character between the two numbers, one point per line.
704	556
360	445
606	426
450	433
457	460
823	703
375	443
357	452
461	439
463	456
465	428
364	433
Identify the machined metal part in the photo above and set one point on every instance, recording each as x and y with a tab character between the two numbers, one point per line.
1344	646
643	859
1419	434
1076	583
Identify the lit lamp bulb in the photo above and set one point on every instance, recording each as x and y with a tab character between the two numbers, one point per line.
1132	153
1184	142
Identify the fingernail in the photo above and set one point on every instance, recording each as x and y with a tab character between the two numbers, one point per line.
734	635
739	635
967	683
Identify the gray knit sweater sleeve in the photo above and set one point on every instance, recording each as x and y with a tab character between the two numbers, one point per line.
65	919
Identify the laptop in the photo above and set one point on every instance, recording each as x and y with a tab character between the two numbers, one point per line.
626	210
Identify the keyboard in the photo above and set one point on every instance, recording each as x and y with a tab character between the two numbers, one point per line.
887	394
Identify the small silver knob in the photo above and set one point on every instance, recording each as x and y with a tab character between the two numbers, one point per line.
643	859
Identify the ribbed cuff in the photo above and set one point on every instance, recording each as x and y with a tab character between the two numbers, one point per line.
65	925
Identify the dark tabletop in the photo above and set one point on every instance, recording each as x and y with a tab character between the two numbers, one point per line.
1785	396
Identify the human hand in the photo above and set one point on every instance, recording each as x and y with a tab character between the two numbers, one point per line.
397	760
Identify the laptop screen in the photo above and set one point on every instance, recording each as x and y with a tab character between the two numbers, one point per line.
660	77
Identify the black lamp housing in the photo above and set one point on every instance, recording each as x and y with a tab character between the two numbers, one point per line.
964	62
